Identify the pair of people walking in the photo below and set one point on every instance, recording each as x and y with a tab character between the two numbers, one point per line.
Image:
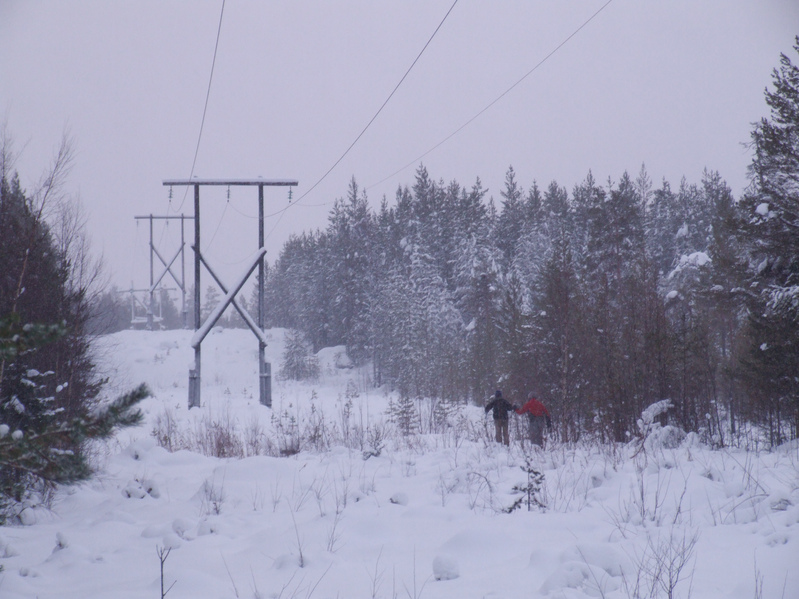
536	412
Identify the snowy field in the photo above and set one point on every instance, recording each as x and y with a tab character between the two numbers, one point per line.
323	498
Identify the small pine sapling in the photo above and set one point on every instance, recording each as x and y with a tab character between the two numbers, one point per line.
404	416
532	492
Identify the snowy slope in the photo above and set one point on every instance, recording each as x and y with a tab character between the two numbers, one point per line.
424	518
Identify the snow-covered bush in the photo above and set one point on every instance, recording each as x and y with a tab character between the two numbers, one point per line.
647	422
654	436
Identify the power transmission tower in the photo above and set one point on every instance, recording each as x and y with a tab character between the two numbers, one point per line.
154	282
150	318
201	329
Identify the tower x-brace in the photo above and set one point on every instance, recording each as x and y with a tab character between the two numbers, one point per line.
201	329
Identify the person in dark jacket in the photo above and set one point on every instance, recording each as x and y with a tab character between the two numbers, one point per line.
538	415
501	407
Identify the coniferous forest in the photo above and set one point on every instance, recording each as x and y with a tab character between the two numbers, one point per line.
600	296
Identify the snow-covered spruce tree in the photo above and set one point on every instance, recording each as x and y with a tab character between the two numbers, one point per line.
771	210
351	231
298	363
435	326
518	237
300	290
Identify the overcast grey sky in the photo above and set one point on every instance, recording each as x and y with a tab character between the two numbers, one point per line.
674	84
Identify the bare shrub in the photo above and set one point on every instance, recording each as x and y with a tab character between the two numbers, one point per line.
315	434
285	425
166	433
479	490
256	442
212	498
334	534
667	560
218	436
376	436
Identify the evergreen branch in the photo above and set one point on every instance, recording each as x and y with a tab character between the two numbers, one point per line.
40	454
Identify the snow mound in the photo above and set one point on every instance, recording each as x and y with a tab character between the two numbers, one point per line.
399	498
580	576
171	541
445	568
133	490
182	527
6	549
601	555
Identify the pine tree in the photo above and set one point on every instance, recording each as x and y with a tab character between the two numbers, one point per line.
510	224
351	232
662	227
49	402
616	289
534	208
724	302
771	212
210	303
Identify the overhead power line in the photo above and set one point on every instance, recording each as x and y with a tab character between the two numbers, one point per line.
205	107
372	120
495	100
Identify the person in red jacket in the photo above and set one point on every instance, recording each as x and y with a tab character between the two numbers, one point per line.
538	415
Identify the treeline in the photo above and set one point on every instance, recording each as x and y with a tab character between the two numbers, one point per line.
601	299
115	309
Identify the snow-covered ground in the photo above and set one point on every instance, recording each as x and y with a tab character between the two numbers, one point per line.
363	512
